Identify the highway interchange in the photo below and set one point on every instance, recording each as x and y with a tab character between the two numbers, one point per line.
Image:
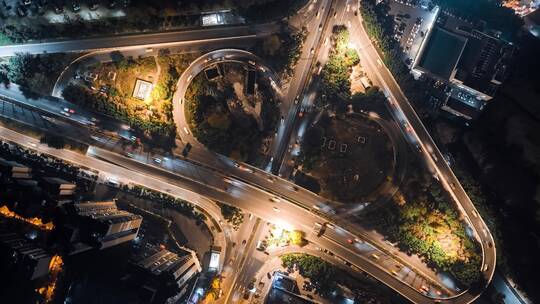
251	189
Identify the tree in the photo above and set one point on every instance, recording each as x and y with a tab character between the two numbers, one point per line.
271	45
297	237
232	215
53	141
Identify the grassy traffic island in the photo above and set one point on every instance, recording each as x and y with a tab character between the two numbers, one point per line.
233	113
345	157
422	220
137	91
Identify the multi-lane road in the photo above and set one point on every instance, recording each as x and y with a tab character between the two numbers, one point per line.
127	42
222	179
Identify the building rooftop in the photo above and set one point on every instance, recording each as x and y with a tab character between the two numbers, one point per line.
441	53
62	183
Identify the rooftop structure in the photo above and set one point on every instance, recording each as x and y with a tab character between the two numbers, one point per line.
284	290
57	189
100	225
441	54
142	89
22	258
11	169
471	61
164	273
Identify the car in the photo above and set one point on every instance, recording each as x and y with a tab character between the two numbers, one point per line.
349	241
326	41
394	272
186	150
157	160
69	110
282	119
312	51
276	209
320	27
244	243
331	226
261	246
335	14
76	6
39	9
129	154
94	5
186	130
65	113
113	183
374	256
21	11
58	7
301	113
275	199
296	99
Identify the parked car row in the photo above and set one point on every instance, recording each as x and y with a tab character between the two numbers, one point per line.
39	7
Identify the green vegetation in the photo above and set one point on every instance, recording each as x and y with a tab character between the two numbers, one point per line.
327	278
225	119
423	222
478	196
335	83
4	39
297	237
53	141
144	16
153	116
373	100
282	50
35	72
232	215
184	207
379	27
321	273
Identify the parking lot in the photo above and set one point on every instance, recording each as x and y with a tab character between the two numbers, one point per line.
412	19
61	11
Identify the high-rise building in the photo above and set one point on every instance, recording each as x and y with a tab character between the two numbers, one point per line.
58	190
21	258
99	225
164	274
